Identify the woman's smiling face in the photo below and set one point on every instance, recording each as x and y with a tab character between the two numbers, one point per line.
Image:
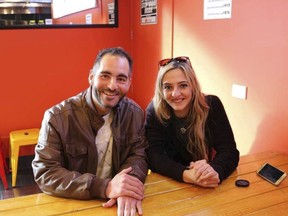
177	91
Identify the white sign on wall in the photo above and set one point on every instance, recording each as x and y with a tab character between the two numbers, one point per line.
217	9
111	13
148	12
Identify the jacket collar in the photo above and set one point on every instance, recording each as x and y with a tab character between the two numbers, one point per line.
95	119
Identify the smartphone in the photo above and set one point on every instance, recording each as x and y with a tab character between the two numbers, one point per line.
271	174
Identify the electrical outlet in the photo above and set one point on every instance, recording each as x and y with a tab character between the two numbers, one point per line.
239	91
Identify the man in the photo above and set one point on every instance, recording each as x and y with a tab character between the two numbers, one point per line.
92	145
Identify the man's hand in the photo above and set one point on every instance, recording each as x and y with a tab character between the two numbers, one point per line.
125	185
127	206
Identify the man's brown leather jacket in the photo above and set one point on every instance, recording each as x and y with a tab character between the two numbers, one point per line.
65	160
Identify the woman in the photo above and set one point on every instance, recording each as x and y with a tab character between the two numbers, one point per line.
189	134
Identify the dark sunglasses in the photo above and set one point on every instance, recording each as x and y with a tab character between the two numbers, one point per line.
164	62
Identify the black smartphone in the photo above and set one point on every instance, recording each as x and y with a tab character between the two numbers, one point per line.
271	174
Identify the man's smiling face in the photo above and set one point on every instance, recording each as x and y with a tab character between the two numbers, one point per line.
110	82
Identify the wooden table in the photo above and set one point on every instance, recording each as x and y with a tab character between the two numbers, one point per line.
164	196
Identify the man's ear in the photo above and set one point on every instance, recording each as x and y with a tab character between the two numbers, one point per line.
130	82
90	77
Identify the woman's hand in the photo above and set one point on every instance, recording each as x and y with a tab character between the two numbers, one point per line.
202	174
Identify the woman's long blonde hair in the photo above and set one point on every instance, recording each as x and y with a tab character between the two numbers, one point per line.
198	110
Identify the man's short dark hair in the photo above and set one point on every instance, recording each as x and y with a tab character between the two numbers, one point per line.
116	51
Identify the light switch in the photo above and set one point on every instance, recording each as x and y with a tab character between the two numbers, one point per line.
239	91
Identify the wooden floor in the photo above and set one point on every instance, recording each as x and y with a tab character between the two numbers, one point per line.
25	183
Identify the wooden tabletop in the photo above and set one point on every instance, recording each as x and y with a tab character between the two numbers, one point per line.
164	196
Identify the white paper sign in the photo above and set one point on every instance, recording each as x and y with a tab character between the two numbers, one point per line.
217	9
111	19
148	12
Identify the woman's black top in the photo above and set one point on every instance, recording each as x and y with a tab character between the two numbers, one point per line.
167	152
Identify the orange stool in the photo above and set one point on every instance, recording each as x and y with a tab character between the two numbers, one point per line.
3	168
17	139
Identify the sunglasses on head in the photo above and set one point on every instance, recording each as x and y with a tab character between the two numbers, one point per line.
164	62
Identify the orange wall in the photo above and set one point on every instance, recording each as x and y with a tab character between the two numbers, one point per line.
41	67
249	49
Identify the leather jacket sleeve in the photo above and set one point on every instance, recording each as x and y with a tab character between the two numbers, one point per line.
133	144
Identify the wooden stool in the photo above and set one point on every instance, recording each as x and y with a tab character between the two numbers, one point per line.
17	139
